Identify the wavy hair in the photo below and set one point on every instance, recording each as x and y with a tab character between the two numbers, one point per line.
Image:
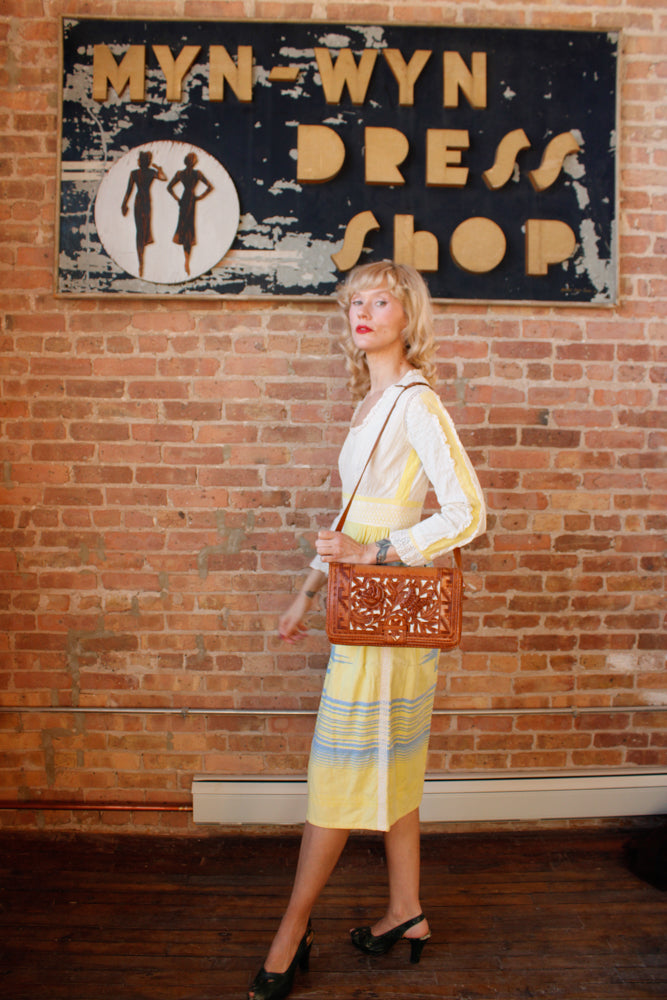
408	286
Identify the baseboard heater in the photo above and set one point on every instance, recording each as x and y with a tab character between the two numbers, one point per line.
282	801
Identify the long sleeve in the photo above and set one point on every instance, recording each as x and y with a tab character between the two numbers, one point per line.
462	513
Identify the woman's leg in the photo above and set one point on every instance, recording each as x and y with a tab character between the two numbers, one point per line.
321	848
402	850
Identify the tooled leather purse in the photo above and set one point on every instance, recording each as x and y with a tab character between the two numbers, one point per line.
370	605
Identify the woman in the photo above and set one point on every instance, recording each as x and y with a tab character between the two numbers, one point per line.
142	178
189	179
368	755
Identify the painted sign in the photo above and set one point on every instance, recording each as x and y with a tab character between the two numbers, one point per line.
218	158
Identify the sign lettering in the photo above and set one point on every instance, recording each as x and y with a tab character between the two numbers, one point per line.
485	158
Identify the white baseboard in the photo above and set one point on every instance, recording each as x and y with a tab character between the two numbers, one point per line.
558	795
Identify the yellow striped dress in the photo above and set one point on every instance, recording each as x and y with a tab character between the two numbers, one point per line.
368	754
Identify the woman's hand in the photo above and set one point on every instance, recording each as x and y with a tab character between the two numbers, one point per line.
335	546
291	626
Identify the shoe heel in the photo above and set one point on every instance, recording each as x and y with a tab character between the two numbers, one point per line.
304	961
416	948
304	958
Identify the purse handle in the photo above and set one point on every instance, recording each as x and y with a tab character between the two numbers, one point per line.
341	520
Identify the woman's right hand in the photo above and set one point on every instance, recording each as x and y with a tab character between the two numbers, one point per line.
291	626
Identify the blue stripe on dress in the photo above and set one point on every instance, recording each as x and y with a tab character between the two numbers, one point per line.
347	732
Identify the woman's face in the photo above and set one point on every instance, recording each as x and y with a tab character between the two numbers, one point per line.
377	320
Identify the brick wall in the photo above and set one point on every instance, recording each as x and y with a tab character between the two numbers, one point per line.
165	467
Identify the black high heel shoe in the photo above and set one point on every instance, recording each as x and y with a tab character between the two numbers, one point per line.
380	945
277	985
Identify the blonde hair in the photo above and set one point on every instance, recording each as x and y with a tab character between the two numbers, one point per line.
408	286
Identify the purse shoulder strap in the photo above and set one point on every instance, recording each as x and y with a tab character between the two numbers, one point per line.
341	520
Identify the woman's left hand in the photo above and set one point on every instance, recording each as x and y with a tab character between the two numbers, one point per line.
335	546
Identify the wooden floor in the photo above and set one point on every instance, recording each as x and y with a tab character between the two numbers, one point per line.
514	915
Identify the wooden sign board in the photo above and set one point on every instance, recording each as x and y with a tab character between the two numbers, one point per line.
217	158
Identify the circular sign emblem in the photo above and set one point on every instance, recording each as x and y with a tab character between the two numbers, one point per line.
167	212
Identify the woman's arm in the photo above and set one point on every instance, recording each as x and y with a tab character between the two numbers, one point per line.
332	546
335	546
130	184
462	513
291	625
